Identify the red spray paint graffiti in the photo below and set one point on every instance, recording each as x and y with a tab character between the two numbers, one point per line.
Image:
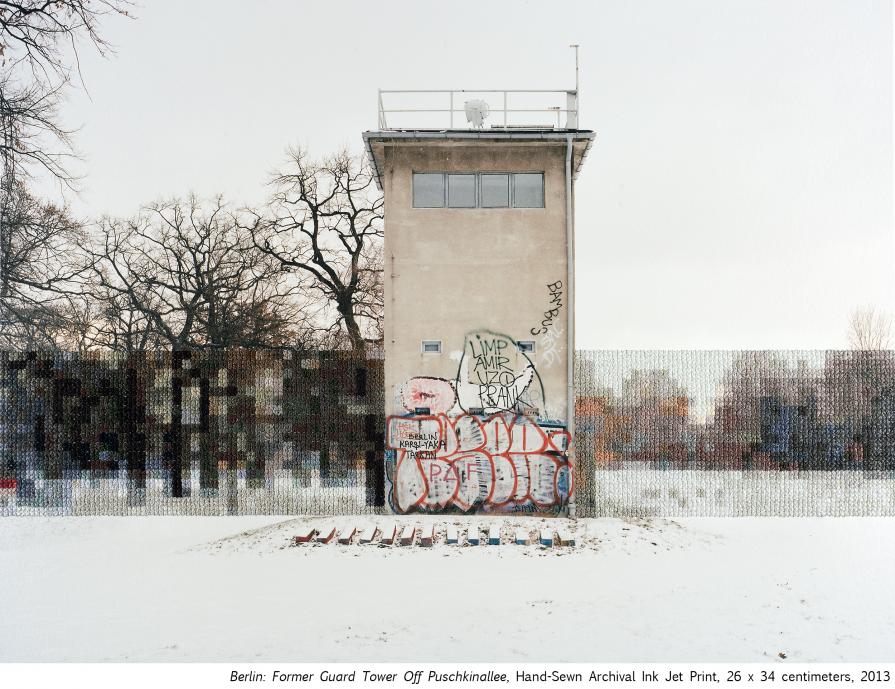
500	462
481	440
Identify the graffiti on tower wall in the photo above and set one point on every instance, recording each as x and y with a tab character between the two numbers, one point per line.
481	441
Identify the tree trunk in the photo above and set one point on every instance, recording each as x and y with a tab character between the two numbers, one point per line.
346	310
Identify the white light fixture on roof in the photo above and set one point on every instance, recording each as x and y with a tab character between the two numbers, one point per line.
476	112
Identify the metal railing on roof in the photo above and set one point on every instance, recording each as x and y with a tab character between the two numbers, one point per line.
444	104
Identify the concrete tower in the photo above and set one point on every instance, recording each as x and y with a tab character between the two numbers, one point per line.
479	302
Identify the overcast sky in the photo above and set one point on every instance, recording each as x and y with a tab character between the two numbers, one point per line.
738	195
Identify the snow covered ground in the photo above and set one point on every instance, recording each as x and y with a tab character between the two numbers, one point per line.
236	589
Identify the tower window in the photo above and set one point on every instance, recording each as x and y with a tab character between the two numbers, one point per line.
428	190
461	191
431	347
527	346
478	190
495	191
528	190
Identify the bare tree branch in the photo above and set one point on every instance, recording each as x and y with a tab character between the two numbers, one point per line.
324	224
869	329
186	274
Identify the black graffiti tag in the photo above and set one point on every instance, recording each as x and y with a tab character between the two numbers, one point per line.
554	290
492	365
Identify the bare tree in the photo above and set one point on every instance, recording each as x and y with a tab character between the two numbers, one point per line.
184	274
324	224
29	126
38	249
869	329
40	264
38	43
37	33
108	320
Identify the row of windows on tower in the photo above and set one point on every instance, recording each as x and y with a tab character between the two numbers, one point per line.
478	190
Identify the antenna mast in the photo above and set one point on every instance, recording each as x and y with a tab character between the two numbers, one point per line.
577	97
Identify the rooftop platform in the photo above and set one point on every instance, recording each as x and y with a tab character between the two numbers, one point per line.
376	141
434	117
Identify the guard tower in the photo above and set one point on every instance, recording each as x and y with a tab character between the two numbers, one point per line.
479	297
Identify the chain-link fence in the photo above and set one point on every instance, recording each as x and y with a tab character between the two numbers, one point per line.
735	432
191	432
284	432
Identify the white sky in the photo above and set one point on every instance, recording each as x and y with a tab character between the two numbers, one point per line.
739	193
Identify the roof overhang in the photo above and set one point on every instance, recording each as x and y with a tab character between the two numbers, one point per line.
375	142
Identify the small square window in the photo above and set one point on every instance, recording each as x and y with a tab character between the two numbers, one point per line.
528	190
527	346
461	191
431	347
428	190
495	190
